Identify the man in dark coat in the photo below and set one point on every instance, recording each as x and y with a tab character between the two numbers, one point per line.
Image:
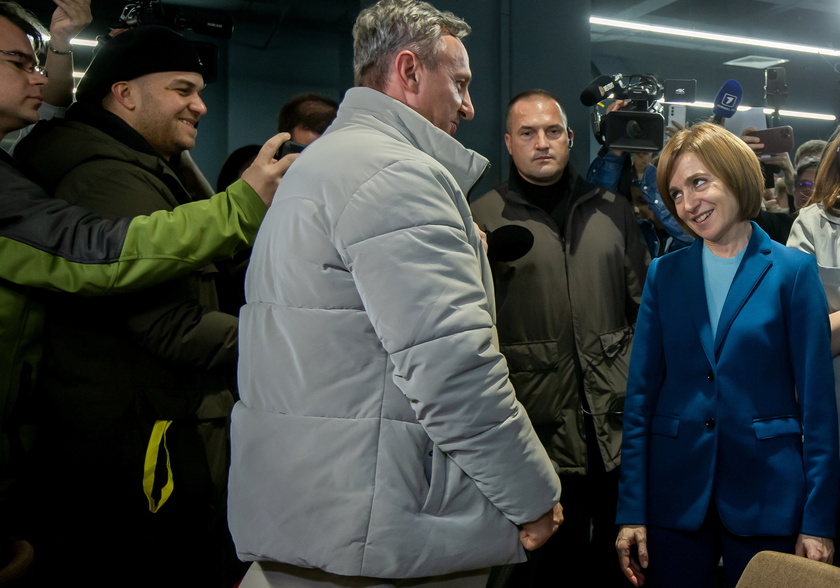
566	313
137	388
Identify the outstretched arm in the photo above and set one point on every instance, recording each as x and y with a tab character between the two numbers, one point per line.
68	20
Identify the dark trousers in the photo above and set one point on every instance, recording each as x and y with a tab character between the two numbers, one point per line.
582	552
689	560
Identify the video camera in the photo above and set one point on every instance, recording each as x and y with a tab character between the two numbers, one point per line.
152	12
638	127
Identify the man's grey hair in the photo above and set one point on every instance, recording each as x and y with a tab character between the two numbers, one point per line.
390	26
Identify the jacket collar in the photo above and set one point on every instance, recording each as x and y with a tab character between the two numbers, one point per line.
829	217
572	182
755	263
110	123
375	109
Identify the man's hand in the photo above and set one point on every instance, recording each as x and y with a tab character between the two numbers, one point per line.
265	173
535	533
816	548
69	19
752	141
481	234
632	564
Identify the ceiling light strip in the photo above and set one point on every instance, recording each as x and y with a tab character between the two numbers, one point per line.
80	42
637	26
792	113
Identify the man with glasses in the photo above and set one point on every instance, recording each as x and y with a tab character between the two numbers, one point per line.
47	243
803	185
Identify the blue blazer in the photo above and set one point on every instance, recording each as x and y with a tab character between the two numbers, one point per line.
721	419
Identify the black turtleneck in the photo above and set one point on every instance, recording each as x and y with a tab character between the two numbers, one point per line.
556	199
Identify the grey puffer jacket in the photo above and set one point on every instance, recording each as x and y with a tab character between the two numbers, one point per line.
377	432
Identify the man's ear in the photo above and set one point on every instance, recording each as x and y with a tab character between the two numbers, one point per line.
408	71
507	143
125	93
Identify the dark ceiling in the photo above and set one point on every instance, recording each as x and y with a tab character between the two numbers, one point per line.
812	79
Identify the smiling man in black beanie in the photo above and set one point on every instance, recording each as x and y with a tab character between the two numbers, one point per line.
137	388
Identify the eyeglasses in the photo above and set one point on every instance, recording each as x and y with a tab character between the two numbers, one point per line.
806	185
25	63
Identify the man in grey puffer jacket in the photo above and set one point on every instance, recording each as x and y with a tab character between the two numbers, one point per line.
378	435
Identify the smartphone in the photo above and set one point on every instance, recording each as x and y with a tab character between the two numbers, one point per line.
676	114
289	147
775	139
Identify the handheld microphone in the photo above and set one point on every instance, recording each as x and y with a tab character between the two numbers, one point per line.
600	88
727	100
509	243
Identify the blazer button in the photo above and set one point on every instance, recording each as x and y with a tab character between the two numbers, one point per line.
710	376
710	424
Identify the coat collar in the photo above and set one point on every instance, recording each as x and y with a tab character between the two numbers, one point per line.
755	263
392	117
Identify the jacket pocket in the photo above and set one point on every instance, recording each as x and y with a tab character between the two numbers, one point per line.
777	427
665	425
435	466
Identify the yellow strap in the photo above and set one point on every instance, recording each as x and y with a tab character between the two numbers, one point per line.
152	451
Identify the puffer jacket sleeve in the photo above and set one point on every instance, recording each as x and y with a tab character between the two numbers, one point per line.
410	249
48	243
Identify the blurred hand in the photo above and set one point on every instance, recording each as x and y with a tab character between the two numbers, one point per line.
816	548
783	161
752	142
265	173
536	533
632	561
69	19
481	234
673	129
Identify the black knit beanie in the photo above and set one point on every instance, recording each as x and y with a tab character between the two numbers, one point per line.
135	53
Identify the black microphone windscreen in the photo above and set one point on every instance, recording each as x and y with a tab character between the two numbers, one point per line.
509	243
593	93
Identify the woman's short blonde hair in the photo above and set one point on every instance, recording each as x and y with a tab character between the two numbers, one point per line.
725	155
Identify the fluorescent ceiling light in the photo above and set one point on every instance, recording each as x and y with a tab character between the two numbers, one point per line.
80	42
637	26
792	113
756	62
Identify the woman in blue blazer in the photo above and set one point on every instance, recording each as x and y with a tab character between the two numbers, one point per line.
730	423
